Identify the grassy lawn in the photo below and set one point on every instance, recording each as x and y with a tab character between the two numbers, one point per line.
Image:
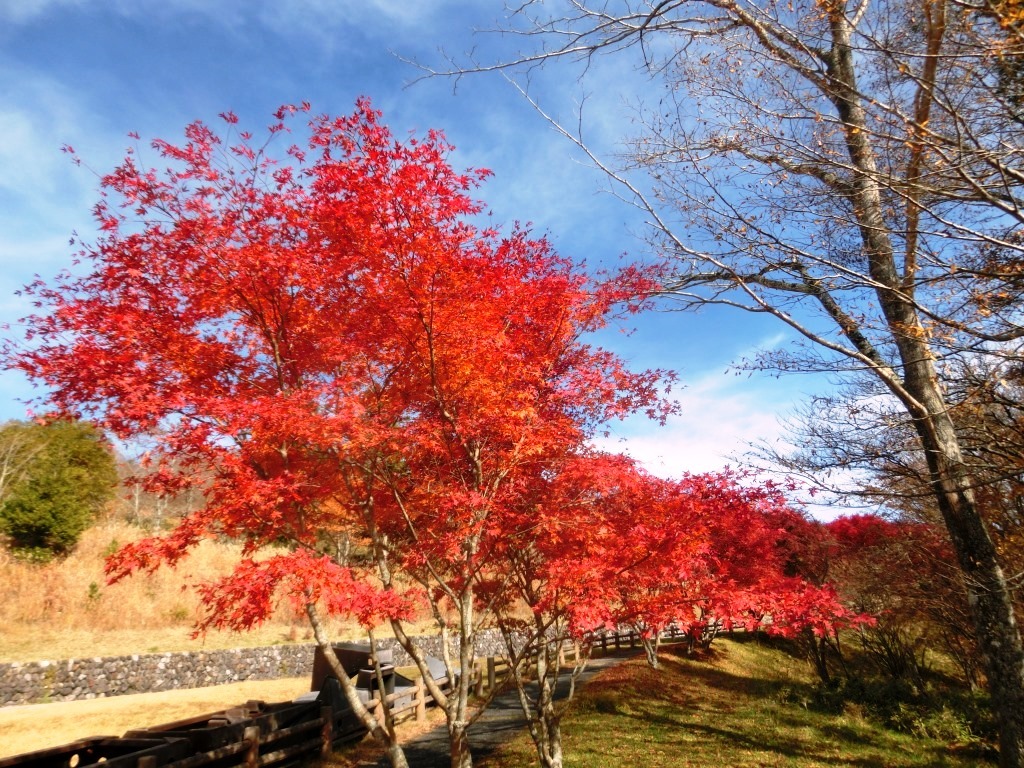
740	705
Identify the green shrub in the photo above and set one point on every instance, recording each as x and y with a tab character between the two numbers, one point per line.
926	721
955	716
62	474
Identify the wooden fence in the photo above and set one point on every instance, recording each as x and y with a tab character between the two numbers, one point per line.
488	673
255	742
259	735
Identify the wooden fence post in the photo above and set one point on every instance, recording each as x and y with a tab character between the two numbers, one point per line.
492	674
421	700
326	731
617	646
252	753
478	677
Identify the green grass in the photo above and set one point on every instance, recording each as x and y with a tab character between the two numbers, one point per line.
743	704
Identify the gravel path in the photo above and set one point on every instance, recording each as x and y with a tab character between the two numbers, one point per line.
502	720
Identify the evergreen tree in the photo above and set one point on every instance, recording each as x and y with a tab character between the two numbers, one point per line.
56	477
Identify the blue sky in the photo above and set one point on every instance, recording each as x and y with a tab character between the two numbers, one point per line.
87	72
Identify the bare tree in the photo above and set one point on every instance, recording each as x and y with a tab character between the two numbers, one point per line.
854	170
859	443
17	450
154	508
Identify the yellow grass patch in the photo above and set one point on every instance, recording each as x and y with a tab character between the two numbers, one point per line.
40	726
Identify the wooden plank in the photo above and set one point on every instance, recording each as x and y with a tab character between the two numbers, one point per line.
297	750
208	757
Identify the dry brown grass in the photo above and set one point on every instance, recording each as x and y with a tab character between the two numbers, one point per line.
66	609
40	726
73	592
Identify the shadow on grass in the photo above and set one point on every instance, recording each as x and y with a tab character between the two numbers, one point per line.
742	712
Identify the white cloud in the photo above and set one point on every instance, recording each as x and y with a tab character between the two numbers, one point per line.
768	344
720	417
29	153
24	11
43	195
317	19
366	14
20	11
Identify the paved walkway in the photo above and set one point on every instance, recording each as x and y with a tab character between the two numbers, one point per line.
502	720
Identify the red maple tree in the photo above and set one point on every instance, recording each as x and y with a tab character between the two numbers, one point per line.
331	350
600	544
712	552
333	346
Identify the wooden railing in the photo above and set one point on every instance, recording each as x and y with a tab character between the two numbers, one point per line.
402	705
268	736
252	743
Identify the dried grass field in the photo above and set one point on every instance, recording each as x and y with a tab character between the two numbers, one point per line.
65	610
39	726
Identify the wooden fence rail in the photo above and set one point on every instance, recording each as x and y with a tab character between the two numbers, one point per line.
492	671
267	736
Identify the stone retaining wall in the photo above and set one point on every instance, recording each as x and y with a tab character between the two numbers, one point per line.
38	681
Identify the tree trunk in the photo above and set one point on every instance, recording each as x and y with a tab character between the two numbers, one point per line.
384	736
458	713
818	654
550	752
988	595
549	745
920	392
650	645
458	741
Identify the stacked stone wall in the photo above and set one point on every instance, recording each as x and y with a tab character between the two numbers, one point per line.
90	678
72	679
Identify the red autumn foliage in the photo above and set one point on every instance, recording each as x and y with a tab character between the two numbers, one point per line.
900	569
606	544
339	350
336	346
717	553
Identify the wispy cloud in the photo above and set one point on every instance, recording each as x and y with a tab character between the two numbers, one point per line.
20	11
44	197
721	416
326	21
377	15
40	186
